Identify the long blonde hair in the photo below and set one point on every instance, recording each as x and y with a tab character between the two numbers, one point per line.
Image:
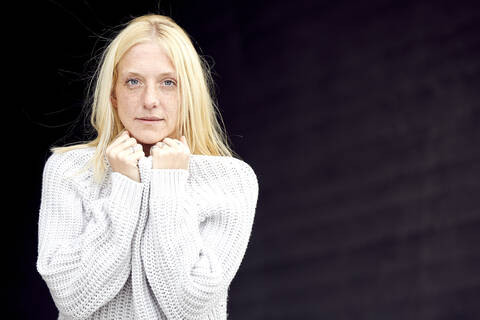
198	112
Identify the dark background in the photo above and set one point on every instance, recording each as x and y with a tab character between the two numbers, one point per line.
360	119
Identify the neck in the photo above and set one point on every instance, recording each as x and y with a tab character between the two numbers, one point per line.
146	149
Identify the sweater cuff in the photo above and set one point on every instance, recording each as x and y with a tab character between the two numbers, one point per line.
126	192
166	182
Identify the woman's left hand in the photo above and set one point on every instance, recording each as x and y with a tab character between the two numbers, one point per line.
171	154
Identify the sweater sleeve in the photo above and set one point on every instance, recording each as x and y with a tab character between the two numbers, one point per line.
84	245
188	266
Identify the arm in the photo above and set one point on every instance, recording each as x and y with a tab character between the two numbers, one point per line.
85	263
187	266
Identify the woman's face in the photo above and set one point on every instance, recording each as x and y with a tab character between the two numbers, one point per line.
145	93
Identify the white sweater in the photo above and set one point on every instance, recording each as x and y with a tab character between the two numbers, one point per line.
165	248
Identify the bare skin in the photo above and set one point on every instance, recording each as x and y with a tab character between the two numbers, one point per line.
121	157
166	154
146	98
171	154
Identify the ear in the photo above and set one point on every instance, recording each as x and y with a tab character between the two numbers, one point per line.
113	99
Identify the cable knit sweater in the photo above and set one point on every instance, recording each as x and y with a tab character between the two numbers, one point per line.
167	247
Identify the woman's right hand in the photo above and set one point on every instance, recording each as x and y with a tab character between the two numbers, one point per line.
123	158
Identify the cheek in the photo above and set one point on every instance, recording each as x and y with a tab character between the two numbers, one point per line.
127	103
169	96
172	110
170	104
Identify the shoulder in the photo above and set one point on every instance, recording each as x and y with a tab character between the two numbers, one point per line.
230	172
221	165
64	171
61	163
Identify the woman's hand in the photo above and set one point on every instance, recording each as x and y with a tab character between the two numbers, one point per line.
123	154
171	154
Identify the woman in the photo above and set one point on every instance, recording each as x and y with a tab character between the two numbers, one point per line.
152	218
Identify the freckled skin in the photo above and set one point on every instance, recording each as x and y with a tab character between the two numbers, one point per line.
143	89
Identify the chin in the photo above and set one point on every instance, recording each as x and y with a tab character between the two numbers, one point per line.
148	138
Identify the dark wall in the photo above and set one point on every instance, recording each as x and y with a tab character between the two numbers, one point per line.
360	118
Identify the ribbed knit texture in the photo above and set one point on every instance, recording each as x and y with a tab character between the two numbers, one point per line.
165	248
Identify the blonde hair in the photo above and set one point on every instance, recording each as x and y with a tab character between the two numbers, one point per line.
197	113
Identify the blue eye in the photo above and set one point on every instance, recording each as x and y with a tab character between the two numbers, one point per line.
169	83
132	82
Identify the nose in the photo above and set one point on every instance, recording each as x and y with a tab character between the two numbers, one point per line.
151	99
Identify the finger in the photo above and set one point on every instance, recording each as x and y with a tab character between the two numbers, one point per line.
155	147
180	144
124	134
130	142
128	148
162	145
168	141
174	143
120	138
184	140
124	148
153	151
136	155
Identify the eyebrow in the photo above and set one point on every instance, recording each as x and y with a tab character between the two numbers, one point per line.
163	74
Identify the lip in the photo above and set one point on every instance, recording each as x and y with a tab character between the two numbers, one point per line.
149	118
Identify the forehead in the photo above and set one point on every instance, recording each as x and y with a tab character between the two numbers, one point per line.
146	58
